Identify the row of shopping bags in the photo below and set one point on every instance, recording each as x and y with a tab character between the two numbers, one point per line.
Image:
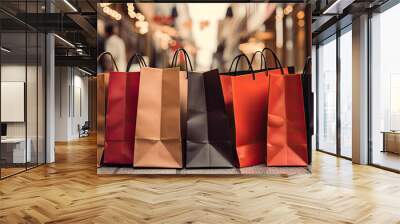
172	119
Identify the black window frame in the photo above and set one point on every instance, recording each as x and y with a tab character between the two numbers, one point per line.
333	33
31	30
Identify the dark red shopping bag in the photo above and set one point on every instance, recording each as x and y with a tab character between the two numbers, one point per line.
286	127
123	90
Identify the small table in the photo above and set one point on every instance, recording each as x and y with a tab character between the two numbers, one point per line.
391	141
13	150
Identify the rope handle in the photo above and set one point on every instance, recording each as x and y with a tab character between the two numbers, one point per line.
277	62
237	59
140	59
262	58
187	60
112	58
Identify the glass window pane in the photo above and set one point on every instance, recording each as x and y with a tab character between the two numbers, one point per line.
31	98
23	89
327	96
41	99
14	153
346	94
385	84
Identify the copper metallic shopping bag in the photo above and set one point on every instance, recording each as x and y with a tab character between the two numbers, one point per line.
158	130
123	90
286	127
208	139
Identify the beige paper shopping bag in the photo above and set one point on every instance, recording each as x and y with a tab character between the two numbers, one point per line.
102	93
183	86
158	132
102	90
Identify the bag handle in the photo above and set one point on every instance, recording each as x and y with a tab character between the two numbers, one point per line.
237	59
262	58
187	60
277	62
308	63
140	59
112	58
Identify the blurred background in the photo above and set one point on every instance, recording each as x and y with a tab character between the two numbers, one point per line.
212	33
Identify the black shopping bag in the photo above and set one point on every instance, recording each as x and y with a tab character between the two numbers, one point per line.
208	141
308	106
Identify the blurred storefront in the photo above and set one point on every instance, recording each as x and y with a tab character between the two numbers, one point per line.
212	33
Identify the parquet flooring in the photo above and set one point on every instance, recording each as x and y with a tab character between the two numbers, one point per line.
70	191
10	171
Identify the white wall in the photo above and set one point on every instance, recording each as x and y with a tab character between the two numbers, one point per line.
71	87
62	81
16	73
33	126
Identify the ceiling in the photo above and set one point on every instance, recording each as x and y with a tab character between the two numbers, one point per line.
330	15
72	20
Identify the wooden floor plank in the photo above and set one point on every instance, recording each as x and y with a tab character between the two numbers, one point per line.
70	191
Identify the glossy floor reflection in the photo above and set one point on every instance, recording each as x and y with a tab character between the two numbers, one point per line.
387	159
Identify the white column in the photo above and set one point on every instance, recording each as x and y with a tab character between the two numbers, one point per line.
360	90
50	98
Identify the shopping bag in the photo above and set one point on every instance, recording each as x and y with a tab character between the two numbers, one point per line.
233	98
245	95
286	125
158	132
102	95
183	95
308	106
102	89
121	116
208	140
278	69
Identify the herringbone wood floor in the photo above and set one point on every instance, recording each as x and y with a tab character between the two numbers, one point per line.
69	191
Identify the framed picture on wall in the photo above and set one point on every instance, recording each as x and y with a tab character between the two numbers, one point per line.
12	101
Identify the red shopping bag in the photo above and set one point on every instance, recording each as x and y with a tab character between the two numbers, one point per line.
102	95
226	80
278	69
245	94
123	90
286	127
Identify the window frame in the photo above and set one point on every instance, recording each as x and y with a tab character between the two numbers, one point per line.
43	40
333	37
378	10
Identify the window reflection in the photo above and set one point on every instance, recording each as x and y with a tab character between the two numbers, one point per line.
327	96
385	84
22	89
346	94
